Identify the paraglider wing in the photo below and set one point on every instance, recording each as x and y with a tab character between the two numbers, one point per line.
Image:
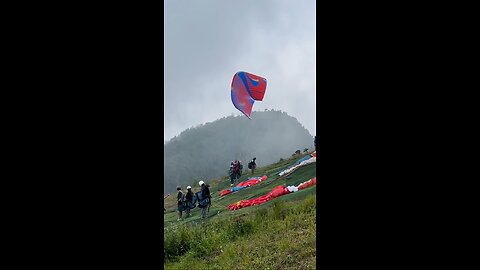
246	88
257	86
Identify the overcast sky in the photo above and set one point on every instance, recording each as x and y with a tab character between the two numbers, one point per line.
206	42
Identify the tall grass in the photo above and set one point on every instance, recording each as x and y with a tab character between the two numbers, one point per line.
266	238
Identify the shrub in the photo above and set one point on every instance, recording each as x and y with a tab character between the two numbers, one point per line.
239	227
177	242
260	215
279	211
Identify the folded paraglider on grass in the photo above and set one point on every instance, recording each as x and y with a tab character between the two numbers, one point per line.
276	192
301	162
250	182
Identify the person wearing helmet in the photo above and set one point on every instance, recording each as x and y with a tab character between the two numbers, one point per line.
188	198
206	198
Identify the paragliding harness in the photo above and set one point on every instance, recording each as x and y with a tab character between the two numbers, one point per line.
251	164
202	202
192	203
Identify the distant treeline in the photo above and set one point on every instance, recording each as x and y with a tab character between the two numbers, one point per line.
205	152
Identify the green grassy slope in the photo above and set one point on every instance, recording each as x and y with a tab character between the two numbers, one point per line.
280	237
219	210
279	234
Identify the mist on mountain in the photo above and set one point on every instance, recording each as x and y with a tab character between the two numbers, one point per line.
204	152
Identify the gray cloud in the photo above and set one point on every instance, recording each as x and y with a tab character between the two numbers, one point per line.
206	42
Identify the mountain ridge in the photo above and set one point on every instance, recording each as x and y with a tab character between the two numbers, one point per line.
205	151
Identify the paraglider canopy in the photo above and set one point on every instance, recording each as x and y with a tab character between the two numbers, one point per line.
246	88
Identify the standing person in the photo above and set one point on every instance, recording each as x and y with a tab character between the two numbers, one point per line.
252	165
231	173
180	202
206	198
236	168
190	202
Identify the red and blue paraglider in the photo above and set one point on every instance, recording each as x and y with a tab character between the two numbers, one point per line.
246	88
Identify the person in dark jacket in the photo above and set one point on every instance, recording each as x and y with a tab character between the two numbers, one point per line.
252	165
188	198
231	173
180	206
206	196
236	169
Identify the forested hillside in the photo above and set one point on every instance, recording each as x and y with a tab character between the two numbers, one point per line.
205	152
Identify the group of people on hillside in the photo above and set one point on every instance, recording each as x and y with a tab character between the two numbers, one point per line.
236	169
188	201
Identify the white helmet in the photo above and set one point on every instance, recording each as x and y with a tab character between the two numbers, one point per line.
189	187
201	183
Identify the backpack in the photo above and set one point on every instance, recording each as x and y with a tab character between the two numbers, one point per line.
202	202
193	203
183	200
250	165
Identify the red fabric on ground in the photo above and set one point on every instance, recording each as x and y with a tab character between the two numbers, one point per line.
279	191
314	154
250	182
309	183
225	192
276	192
